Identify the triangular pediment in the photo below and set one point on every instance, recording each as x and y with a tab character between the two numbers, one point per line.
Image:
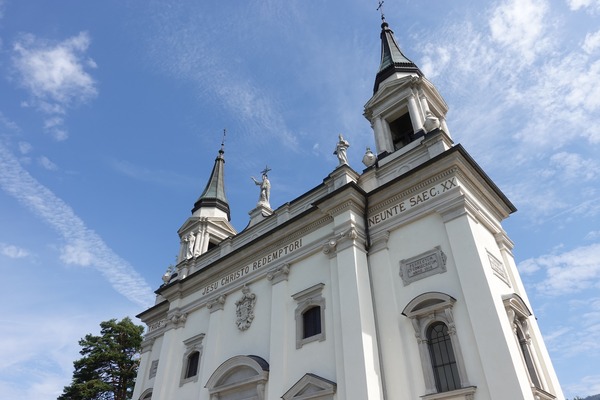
219	224
389	86
311	386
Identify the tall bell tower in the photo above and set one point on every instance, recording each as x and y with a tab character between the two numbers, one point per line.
209	223
453	317
405	106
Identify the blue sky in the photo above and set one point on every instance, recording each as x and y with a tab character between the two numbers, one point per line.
111	114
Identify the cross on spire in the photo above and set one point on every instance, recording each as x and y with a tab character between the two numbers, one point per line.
223	140
380	9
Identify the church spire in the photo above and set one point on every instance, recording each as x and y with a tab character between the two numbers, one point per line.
213	195
392	59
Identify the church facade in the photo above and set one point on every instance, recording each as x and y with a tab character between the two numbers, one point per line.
394	283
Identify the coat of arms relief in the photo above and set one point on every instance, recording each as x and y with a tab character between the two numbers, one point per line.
245	309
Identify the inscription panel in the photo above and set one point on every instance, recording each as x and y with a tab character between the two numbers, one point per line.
498	268
426	264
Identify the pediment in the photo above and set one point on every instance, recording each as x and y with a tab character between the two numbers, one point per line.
311	386
217	225
388	87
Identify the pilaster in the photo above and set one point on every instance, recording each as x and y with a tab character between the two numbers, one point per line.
491	331
279	335
361	372
212	348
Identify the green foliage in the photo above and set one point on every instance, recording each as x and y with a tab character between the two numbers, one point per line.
109	364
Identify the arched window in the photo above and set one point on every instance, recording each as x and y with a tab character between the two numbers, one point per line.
441	357
192	365
443	361
311	321
518	314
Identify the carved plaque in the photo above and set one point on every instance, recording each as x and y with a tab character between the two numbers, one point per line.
424	265
498	268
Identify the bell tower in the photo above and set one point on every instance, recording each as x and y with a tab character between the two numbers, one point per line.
405	107
209	223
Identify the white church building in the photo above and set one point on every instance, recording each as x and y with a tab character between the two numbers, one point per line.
396	283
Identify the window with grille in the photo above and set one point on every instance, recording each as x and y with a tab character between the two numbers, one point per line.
443	362
311	319
192	364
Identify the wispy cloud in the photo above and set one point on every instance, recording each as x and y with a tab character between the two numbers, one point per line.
12	251
568	272
189	53
83	247
588	5
591	42
47	164
55	76
144	174
518	26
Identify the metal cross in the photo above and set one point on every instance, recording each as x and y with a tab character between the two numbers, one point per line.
266	170
224	134
380	9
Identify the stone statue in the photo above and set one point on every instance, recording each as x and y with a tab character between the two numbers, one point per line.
190	239
265	188
340	150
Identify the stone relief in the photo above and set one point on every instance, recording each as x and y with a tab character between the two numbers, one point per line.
245	309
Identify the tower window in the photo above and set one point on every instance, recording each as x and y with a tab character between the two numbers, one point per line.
443	362
402	131
311	321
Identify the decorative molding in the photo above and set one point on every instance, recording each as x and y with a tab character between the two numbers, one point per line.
379	241
311	386
176	319
426	264
245	309
217	303
157	325
330	246
279	273
498	268
240	377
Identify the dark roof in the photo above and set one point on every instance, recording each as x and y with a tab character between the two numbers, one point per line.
214	192
392	59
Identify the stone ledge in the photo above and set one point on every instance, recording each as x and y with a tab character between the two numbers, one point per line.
467	393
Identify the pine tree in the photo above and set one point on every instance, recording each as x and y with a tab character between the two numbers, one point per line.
109	364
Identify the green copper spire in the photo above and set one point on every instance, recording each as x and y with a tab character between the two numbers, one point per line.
392	59
214	192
